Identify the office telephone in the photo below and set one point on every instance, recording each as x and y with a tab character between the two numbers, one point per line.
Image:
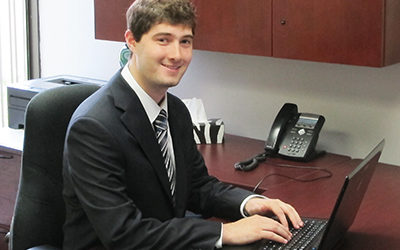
292	136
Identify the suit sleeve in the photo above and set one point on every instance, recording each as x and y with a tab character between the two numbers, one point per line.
208	196
211	197
95	172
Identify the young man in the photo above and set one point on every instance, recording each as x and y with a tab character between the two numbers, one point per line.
131	167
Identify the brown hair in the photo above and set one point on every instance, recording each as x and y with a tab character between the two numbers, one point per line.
143	14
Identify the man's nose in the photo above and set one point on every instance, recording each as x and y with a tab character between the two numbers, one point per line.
175	52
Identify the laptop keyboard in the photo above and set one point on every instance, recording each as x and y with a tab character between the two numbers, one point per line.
301	238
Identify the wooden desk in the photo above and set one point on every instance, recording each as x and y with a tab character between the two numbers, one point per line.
377	224
220	159
10	164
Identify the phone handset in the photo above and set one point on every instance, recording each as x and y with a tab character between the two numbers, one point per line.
288	112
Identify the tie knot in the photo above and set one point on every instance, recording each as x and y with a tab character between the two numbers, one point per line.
161	121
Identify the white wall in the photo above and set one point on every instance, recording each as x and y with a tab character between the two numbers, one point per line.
67	43
361	104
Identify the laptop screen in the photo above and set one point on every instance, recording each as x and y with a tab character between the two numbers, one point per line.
350	198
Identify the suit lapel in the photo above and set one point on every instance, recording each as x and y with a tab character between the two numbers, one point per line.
178	141
136	121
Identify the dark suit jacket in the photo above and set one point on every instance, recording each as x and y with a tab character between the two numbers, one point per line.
115	184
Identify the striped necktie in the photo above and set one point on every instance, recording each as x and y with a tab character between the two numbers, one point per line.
161	130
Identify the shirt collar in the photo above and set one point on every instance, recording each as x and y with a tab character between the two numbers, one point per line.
151	108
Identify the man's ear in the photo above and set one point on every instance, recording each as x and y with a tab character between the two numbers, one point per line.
130	40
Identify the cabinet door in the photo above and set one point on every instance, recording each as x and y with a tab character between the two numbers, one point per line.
339	31
235	26
392	34
110	20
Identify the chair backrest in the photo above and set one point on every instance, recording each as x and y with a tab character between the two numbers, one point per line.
39	209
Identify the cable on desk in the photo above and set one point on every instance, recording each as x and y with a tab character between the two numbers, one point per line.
6	156
328	174
252	162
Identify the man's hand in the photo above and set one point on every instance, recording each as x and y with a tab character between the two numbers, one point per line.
254	228
270	207
257	226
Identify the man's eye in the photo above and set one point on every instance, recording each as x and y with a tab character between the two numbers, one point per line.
163	40
186	42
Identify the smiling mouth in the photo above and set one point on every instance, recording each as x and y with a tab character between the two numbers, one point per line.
171	67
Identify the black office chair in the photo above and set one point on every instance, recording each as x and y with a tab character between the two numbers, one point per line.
39	211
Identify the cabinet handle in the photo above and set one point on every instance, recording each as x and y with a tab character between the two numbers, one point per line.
283	21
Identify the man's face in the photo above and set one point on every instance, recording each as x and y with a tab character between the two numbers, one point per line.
161	57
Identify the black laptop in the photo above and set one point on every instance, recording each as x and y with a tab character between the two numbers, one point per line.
324	234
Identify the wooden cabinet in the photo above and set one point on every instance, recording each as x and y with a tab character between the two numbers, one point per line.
235	26
110	20
357	32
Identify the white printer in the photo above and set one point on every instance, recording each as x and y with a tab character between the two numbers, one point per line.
20	94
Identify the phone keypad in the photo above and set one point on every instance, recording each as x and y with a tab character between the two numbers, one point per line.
296	145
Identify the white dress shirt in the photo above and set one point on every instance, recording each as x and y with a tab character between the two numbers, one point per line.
150	106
